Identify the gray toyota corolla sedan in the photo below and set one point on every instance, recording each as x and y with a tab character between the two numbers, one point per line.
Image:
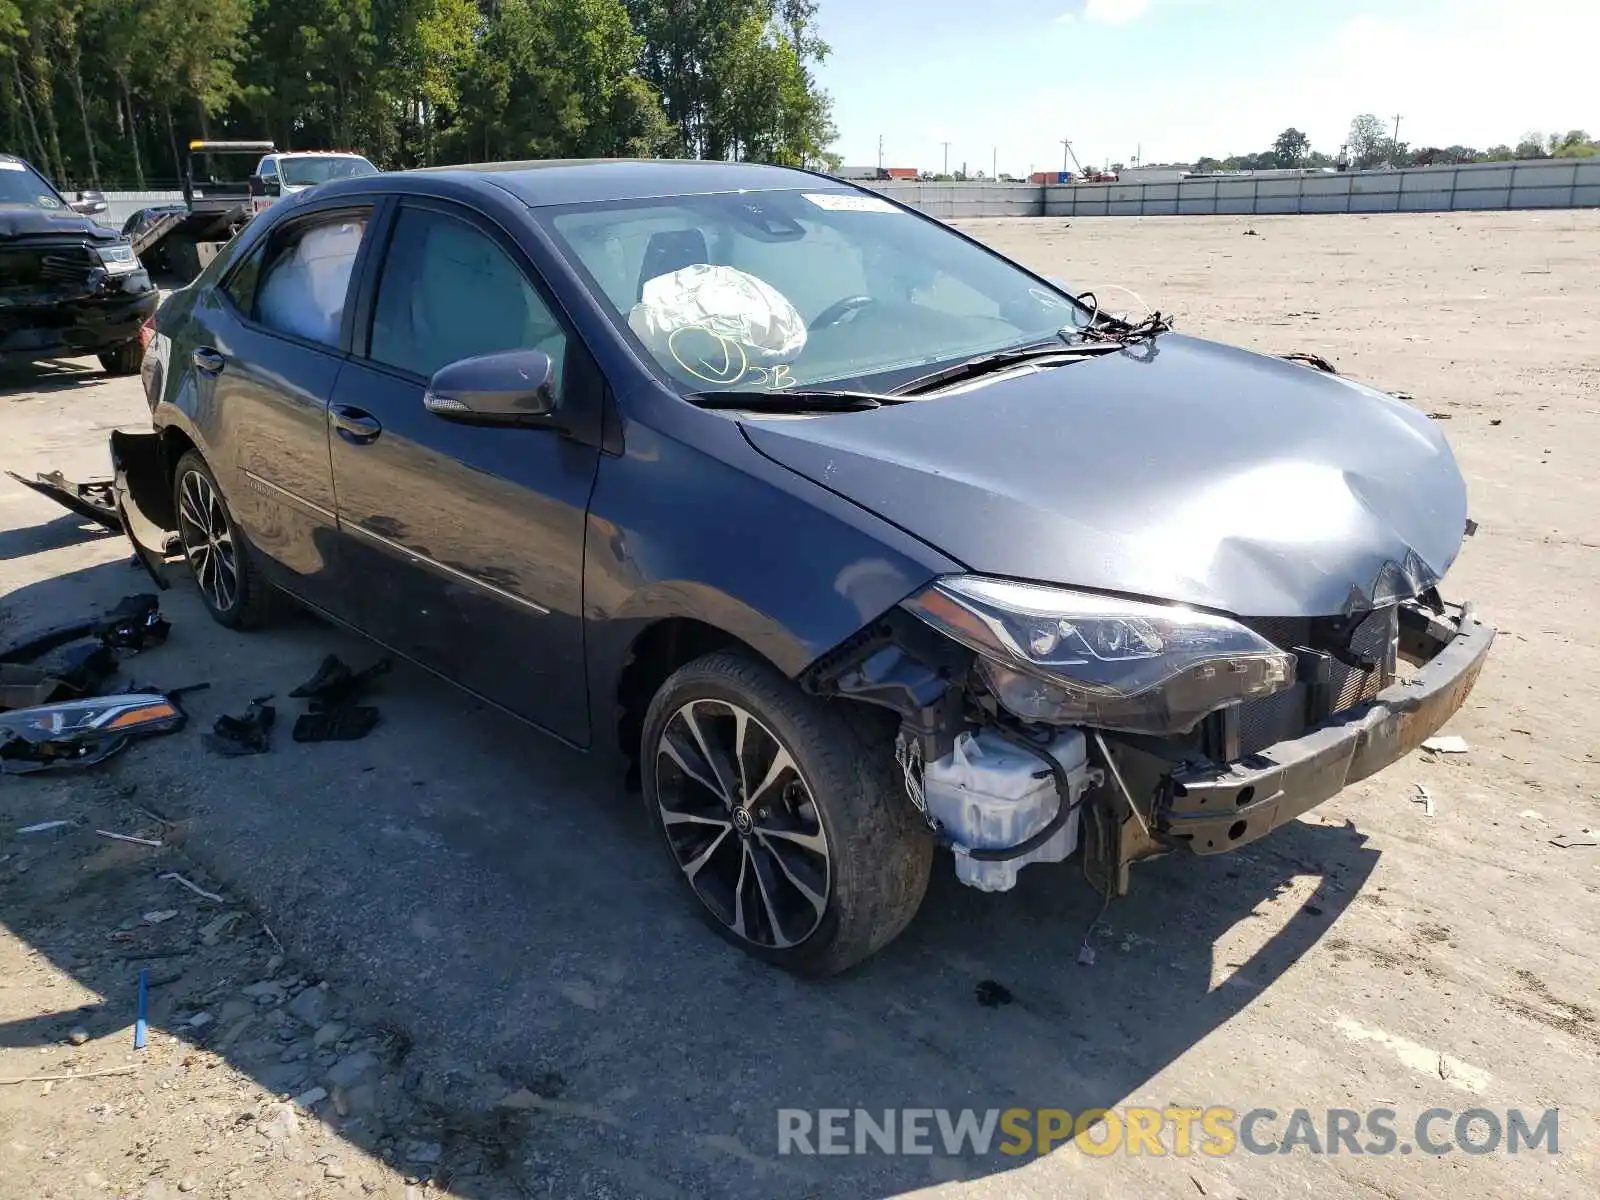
852	537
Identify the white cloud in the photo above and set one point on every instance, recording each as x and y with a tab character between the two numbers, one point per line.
1115	12
1105	12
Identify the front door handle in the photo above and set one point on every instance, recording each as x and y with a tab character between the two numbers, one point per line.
355	425
207	361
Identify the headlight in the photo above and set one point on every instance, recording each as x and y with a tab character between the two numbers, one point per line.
118	258
1071	658
98	714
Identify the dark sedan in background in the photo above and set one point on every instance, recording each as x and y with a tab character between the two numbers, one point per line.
68	286
853	537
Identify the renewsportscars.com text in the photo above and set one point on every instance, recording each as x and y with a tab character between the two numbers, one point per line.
1213	1131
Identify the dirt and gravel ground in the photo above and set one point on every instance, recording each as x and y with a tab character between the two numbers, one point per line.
488	984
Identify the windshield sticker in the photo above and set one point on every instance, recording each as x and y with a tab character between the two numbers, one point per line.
841	202
49	202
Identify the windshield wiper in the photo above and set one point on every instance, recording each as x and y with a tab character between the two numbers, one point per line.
985	364
791	400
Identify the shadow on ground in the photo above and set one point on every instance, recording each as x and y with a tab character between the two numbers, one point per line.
500	900
55	534
46	376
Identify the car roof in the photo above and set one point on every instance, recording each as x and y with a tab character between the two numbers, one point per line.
314	154
586	181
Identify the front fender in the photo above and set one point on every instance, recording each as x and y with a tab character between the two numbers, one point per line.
722	536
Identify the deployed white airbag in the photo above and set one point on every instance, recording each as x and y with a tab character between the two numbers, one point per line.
749	323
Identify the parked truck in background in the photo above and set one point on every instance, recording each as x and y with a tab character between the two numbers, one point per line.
177	241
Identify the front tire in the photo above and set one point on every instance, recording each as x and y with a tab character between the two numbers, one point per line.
782	815
125	359
232	589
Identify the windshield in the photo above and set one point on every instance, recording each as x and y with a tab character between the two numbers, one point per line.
302	172
775	290
20	185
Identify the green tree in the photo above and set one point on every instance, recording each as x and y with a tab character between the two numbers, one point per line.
1533	145
112	90
734	76
1369	143
1290	148
1575	143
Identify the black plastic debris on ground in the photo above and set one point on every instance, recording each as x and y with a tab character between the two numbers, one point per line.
94	499
347	724
134	624
78	671
334	715
235	737
992	995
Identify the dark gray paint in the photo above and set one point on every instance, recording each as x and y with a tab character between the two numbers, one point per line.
1182	470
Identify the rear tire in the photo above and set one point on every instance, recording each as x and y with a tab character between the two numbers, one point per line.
831	826
233	590
125	359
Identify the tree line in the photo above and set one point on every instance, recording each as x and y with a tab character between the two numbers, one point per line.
101	92
1371	144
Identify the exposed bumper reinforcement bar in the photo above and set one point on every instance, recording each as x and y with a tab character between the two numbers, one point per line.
1216	809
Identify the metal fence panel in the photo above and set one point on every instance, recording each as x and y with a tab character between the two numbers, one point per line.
1325	185
1536	175
1368	183
1371	202
1482	199
1541	197
1419	201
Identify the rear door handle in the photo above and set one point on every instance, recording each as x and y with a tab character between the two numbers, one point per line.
355	425
208	361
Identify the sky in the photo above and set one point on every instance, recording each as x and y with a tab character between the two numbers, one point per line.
1175	79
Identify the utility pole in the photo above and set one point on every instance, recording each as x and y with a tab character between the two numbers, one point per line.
1066	156
1394	146
946	146
880	152
994	166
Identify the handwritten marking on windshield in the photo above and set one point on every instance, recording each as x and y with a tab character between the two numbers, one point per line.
723	361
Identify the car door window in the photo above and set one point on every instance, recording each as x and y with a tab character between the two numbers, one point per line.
241	282
306	277
449	292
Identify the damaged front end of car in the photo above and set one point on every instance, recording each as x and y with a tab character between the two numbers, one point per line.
1038	720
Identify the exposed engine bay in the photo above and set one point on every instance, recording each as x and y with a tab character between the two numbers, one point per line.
1336	699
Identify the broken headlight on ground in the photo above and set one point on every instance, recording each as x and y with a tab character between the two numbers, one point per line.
77	733
1071	658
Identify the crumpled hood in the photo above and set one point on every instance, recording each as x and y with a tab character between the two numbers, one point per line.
1182	470
25	221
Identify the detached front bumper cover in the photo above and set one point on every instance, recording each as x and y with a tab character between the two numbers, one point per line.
143	499
1216	809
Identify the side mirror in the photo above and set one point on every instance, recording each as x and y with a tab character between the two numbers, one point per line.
257	186
513	387
88	204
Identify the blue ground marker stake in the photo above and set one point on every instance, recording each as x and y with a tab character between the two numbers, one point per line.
144	1004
